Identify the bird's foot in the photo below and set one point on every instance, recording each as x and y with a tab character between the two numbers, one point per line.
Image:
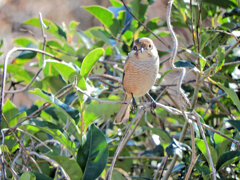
134	103
153	102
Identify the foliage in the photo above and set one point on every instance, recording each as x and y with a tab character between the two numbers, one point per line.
75	136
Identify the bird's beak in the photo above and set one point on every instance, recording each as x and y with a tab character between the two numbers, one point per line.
141	49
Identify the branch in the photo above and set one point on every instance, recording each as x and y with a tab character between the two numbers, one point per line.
130	12
128	133
194	158
206	145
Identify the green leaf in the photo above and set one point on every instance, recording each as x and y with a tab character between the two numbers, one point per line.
202	62
27	176
163	135
55	131
11	113
102	14
61	32
93	154
235	123
73	113
139	9
1	43
71	167
221	3
85	39
53	28
24	41
232	95
40	176
220	59
90	60
201	146
102	111
116	3
19	73
184	63
64	69
227	158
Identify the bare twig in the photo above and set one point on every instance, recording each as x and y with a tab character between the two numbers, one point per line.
130	12
194	158
35	76
156	158
231	48
54	163
206	145
124	140
181	94
161	166
2	156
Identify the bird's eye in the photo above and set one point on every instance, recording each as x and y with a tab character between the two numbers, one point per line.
150	46
135	48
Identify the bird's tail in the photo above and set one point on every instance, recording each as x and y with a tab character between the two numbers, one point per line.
123	113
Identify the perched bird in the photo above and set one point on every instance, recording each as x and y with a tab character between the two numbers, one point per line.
140	72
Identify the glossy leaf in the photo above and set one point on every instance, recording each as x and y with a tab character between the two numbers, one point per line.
55	131
11	113
232	95
90	60
235	124
227	158
93	153
73	113
201	146
183	63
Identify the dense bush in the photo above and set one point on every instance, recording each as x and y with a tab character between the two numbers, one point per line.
69	132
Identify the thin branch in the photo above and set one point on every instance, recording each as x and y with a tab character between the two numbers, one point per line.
130	12
54	163
231	63
231	48
35	76
181	94
156	158
2	157
161	166
194	158
206	145
128	133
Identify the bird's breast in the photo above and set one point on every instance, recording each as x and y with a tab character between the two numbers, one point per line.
140	76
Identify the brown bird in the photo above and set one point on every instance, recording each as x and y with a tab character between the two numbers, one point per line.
140	72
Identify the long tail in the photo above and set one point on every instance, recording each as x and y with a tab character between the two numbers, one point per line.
123	113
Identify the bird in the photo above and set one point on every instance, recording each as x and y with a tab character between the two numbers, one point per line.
140	73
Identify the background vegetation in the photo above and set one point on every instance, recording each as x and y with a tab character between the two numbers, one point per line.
69	132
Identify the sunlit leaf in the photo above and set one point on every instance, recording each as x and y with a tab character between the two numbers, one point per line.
232	95
90	60
102	14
